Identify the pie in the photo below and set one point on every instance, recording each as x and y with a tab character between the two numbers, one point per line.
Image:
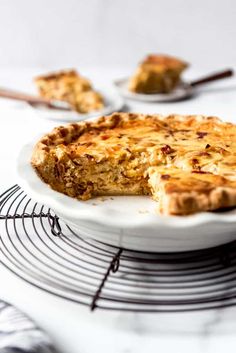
186	163
72	88
157	74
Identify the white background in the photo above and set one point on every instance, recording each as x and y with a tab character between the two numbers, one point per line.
65	33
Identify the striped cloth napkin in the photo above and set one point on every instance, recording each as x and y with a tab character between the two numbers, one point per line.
18	334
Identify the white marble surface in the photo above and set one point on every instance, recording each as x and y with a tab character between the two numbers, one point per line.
73	328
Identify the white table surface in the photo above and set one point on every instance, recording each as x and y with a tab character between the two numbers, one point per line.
73	328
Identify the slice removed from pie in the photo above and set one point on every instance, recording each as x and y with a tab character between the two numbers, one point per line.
186	163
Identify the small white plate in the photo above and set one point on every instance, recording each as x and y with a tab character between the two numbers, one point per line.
182	91
129	222
113	103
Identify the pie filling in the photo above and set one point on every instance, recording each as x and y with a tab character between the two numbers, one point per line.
186	164
86	176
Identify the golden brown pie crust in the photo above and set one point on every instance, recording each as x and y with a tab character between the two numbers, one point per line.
186	163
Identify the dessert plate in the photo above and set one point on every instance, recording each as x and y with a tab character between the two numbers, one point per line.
184	90
113	103
128	221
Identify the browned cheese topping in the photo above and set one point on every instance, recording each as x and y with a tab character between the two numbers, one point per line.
186	163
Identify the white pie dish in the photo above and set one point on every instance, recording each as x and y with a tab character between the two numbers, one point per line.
129	222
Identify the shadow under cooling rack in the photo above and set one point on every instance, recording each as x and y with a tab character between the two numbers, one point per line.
41	249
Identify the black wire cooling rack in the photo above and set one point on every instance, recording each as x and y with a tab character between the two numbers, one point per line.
41	249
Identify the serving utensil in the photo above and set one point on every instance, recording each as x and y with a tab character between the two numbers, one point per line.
182	91
62	111
34	100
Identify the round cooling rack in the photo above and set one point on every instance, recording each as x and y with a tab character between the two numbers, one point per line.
39	248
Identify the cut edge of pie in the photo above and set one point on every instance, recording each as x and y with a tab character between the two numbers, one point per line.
77	160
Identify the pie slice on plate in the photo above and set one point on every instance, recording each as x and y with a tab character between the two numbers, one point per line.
186	163
69	86
157	74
